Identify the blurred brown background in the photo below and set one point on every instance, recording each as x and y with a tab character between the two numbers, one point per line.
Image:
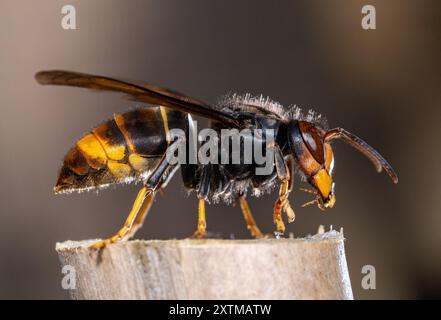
383	85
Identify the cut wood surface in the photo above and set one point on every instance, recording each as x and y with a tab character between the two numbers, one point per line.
302	268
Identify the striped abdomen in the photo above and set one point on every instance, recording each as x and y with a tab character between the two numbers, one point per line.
123	149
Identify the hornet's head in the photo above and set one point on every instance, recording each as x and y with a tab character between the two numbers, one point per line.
312	150
315	159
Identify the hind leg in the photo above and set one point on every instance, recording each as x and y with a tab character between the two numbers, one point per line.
160	176
149	201
139	210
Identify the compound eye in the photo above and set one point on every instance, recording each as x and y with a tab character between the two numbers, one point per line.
313	140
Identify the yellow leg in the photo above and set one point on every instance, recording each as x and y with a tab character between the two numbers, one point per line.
251	224
282	202
280	226
137	214
141	216
201	233
288	210
285	202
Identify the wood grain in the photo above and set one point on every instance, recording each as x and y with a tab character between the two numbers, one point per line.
306	268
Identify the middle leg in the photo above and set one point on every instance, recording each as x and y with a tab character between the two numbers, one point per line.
202	192
251	223
201	232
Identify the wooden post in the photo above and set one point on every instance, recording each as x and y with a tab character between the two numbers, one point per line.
307	268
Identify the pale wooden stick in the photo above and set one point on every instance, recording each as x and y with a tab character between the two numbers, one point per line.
307	268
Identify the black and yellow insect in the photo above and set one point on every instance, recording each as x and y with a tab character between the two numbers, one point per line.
132	147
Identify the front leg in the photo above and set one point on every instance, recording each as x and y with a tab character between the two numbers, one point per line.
286	205
277	215
284	173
